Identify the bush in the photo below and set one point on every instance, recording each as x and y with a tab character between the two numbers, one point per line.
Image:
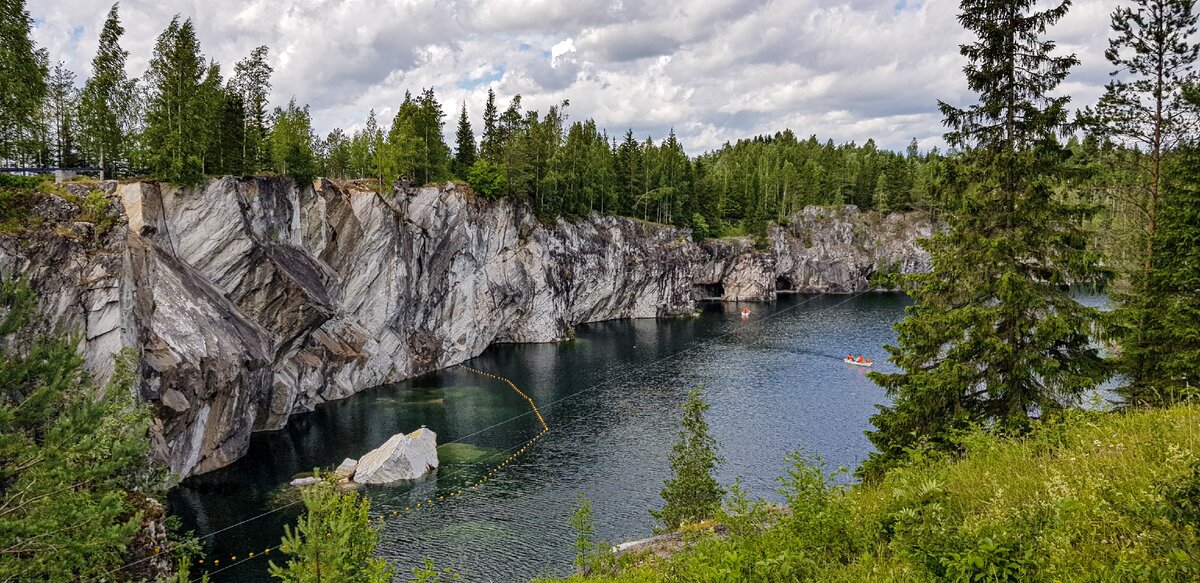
487	179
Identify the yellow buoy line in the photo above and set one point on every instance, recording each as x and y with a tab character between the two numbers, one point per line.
234	559
218	566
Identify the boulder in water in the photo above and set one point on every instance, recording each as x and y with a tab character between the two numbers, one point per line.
403	457
346	468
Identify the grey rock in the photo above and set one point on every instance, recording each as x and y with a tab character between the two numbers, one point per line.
403	457
250	299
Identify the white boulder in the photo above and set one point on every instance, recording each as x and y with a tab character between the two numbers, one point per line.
403	457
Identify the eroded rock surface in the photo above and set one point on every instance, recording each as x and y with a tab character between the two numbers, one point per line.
248	300
403	457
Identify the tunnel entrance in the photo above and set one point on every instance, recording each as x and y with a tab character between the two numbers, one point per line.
784	285
709	291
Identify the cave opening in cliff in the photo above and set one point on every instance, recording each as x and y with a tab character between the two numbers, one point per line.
710	291
783	285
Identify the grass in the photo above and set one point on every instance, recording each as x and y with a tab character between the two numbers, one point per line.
1090	496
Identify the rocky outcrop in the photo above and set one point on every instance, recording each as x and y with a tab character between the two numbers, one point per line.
252	299
403	457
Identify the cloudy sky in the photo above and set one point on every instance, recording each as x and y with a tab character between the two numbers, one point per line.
714	70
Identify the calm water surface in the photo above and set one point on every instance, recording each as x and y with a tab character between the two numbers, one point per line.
612	398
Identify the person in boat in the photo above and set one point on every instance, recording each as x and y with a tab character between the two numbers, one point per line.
860	358
849	357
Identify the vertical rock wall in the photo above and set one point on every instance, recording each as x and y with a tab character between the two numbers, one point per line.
252	299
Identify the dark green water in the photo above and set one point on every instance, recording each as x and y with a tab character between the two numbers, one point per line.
776	383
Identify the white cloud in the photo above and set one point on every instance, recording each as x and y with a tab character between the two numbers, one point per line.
714	70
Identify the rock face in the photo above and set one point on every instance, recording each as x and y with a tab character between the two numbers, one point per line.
403	457
252	299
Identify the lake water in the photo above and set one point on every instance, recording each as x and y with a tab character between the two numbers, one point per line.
612	398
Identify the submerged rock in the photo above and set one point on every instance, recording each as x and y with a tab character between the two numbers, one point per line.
403	457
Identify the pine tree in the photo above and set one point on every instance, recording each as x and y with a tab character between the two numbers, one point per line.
333	541
251	82
72	456
23	71
464	145
1143	107
175	121
692	493
489	146
106	98
994	336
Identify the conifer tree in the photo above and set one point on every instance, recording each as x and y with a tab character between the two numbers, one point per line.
106	99
692	493
72	455
176	118
994	336
464	145
489	146
333	541
23	71
62	99
1144	107
251	82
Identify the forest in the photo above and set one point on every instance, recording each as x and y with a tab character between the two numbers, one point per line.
185	119
1034	198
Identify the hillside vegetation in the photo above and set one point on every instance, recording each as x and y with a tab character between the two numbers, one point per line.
1085	497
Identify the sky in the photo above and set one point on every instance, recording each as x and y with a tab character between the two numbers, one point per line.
712	70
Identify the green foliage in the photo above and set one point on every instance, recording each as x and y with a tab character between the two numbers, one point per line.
429	573
107	99
1084	496
994	337
1159	326
333	541
487	178
250	84
176	121
17	196
23	72
291	141
464	148
692	493
591	556
73	464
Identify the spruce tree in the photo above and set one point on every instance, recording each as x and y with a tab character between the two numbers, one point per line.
464	145
994	336
72	455
1171	328
428	123
692	493
489	146
106	98
23	71
175	120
